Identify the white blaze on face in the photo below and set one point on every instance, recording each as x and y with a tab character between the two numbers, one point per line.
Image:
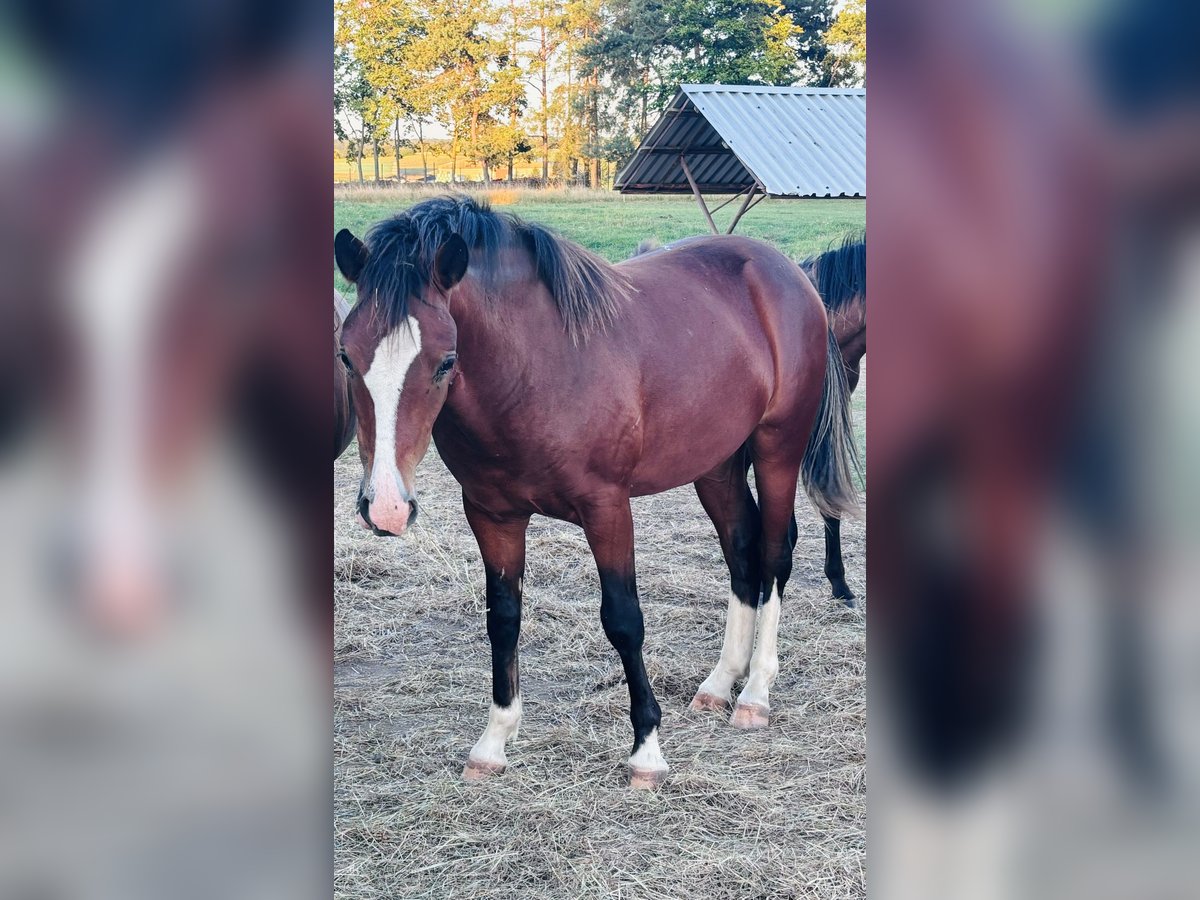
116	283
388	495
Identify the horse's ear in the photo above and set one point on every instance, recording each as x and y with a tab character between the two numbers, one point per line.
350	255
453	257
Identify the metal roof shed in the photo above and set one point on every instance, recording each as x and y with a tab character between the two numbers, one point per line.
754	141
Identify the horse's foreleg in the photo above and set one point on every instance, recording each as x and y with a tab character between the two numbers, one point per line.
835	568
609	528
502	545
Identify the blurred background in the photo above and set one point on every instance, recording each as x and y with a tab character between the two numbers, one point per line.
164	474
1034	684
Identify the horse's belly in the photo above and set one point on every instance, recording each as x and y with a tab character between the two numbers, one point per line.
682	451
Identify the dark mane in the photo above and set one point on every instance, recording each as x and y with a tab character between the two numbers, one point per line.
840	273
587	290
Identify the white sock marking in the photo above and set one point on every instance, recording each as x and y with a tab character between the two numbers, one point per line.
503	723
764	665
648	757
735	652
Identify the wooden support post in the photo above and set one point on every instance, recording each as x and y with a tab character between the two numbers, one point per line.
696	192
747	205
720	206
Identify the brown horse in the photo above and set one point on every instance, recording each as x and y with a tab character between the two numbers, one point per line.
556	383
344	424
840	276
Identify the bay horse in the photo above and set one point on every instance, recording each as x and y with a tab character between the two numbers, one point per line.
554	382
344	424
840	277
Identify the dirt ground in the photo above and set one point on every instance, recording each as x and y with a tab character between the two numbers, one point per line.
775	813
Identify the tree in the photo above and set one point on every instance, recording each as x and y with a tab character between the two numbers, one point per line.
546	21
467	79
370	42
578	98
812	19
595	71
846	45
359	113
646	48
732	42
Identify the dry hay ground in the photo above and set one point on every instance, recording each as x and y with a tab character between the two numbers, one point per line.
775	813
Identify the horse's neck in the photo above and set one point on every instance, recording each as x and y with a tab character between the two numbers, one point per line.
502	328
849	321
514	351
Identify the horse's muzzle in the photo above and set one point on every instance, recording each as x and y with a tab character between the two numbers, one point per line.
389	525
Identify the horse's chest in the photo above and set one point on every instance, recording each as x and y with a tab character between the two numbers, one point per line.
506	477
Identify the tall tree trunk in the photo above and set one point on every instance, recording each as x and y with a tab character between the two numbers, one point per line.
375	153
595	131
570	111
361	178
512	61
544	59
475	131
396	146
645	92
424	155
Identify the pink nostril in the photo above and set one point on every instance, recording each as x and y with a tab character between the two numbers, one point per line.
123	599
390	519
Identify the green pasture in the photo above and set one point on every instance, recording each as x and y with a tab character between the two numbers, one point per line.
612	225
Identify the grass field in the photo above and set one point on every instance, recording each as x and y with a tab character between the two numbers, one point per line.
612	225
776	813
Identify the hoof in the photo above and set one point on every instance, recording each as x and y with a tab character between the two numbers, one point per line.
749	715
646	779
843	593
478	771
708	702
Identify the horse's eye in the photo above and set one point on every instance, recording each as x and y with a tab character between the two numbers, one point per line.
445	367
345	360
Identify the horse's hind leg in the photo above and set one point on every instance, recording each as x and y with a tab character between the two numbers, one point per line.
835	568
776	480
608	524
726	498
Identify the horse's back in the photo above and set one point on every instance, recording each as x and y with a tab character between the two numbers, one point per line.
757	304
727	270
728	334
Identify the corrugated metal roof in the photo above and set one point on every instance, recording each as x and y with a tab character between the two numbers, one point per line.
792	141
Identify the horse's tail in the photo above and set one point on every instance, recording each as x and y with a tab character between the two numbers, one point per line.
831	466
